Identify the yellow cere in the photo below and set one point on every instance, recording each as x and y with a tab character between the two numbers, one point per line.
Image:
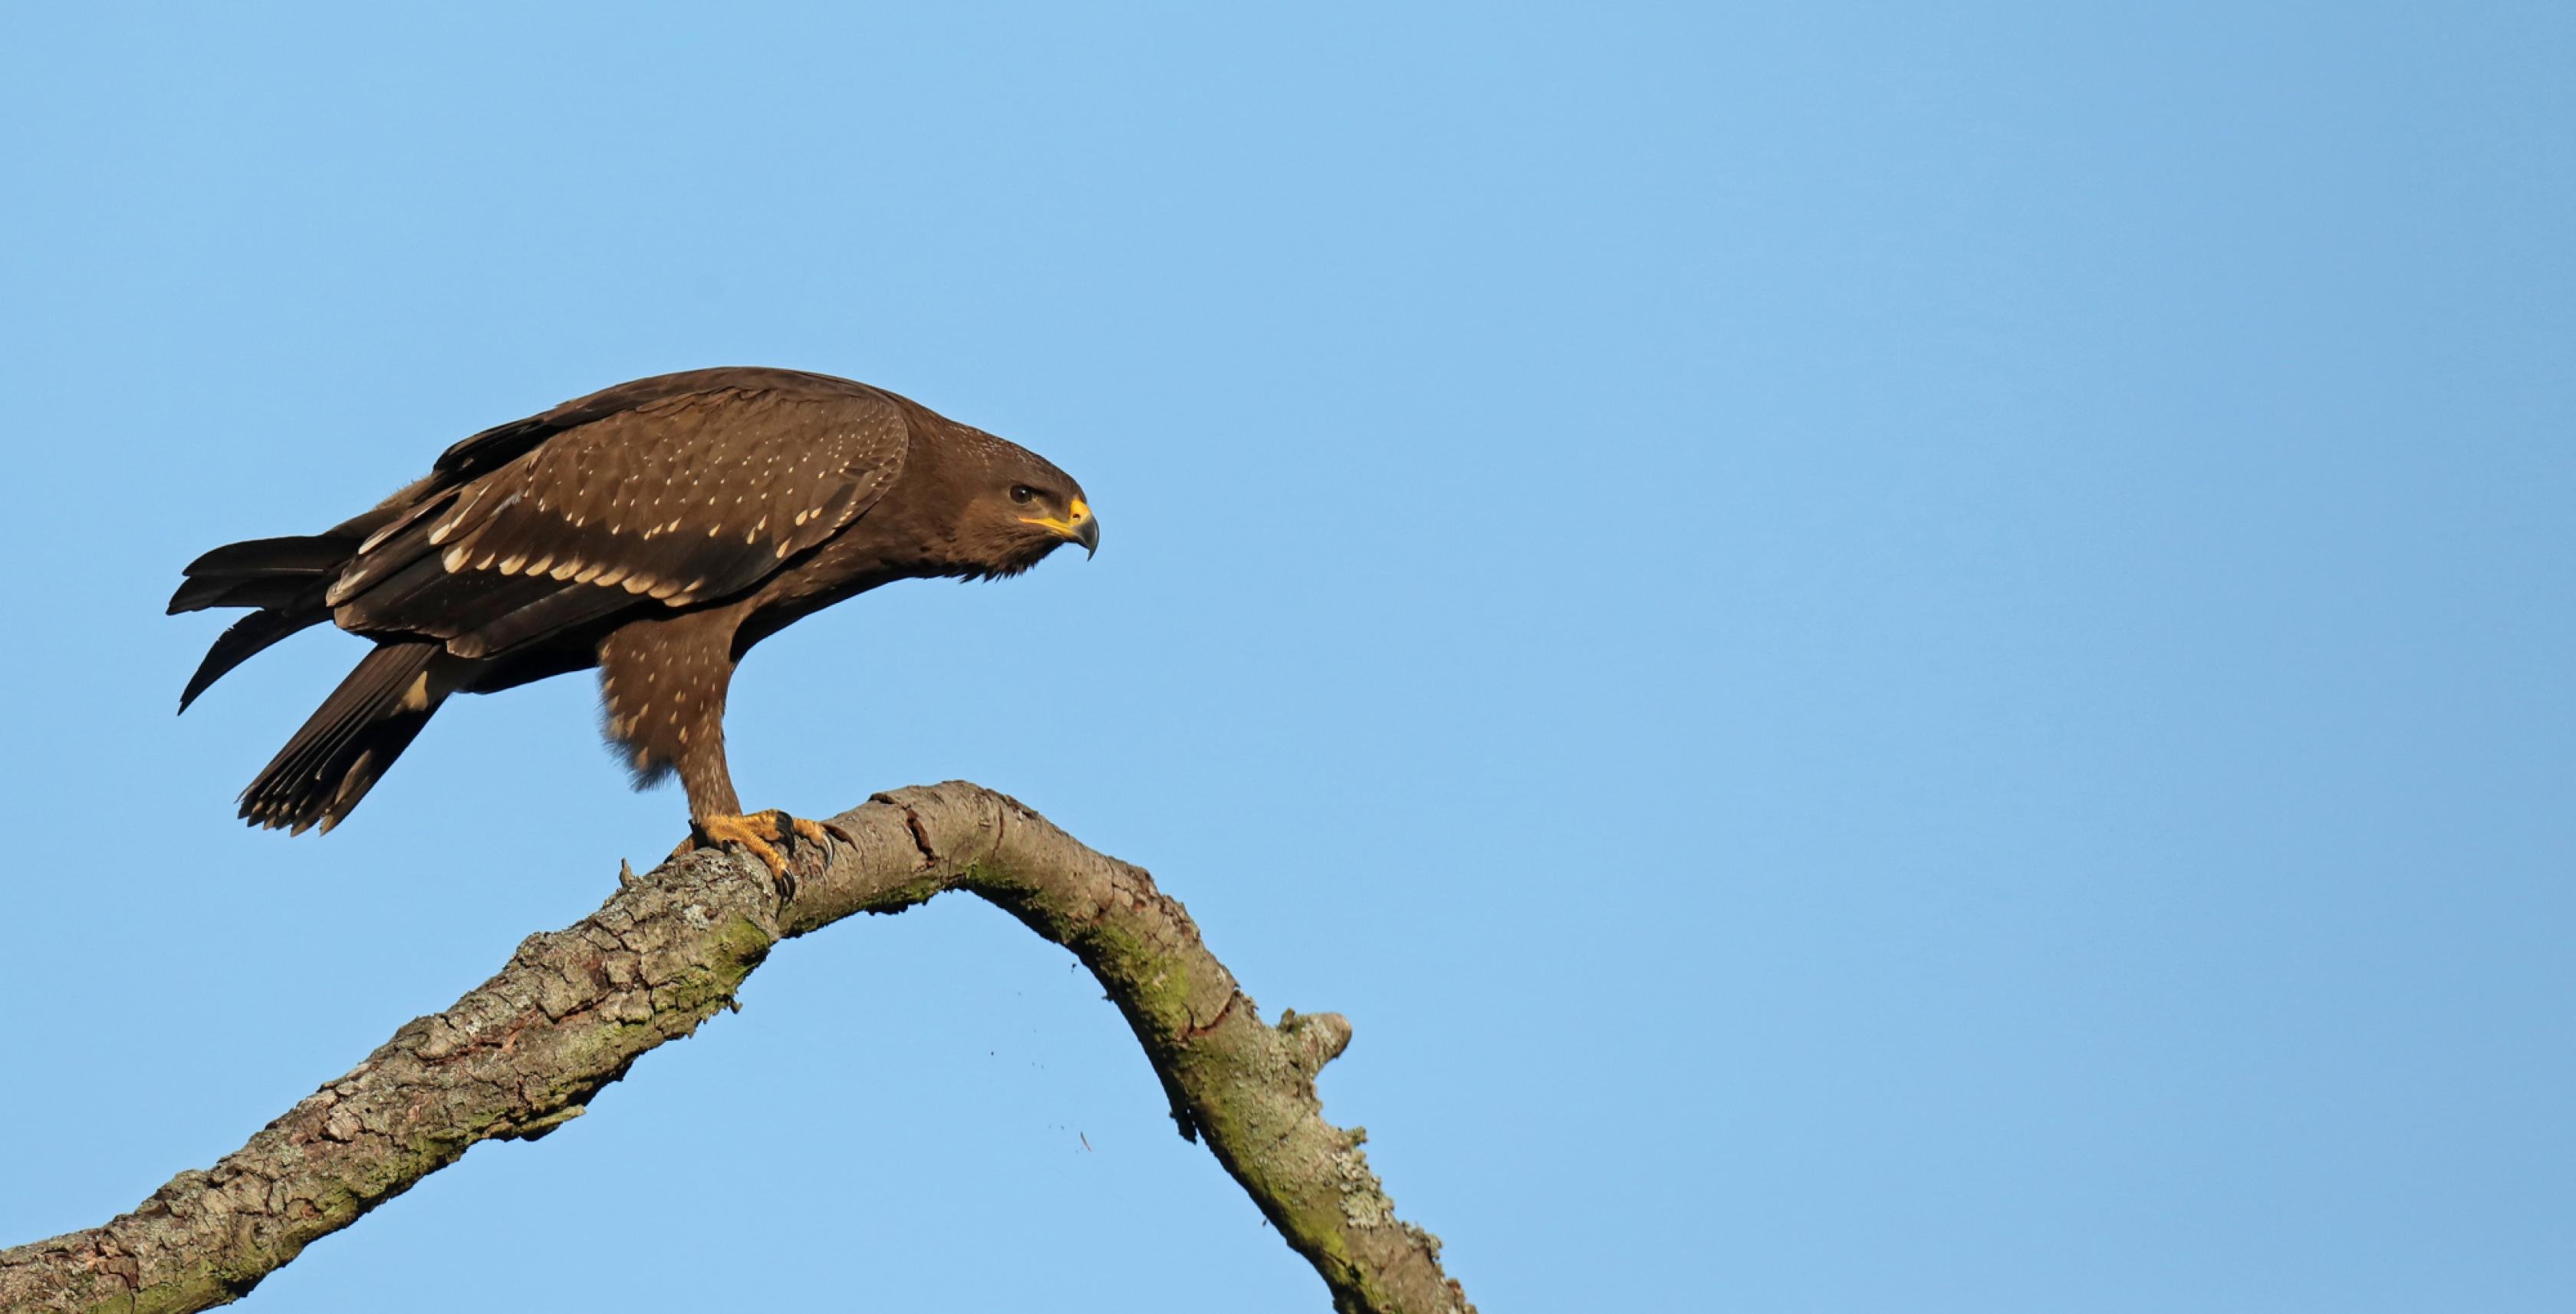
1067	527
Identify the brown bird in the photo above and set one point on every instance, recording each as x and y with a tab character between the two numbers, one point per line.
655	530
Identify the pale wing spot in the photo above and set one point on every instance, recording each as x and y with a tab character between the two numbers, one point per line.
589	573
638	583
439	535
453	560
385	533
511	563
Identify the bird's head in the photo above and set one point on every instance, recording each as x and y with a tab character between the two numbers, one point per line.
1024	508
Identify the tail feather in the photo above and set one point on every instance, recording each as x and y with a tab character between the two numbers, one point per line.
308	554
260	591
284	578
350	740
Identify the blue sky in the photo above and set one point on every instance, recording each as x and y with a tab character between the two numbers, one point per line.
1892	660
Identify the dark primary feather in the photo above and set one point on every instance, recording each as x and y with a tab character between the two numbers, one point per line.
345	746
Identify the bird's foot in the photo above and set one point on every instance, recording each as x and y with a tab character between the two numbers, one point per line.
764	833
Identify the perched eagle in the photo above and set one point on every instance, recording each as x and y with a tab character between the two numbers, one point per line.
655	530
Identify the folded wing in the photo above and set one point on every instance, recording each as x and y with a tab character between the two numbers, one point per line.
535	528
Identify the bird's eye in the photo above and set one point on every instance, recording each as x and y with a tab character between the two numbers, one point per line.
1022	492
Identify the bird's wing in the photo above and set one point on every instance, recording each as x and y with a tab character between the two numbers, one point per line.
657	499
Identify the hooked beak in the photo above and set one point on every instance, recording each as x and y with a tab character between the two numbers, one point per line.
1079	526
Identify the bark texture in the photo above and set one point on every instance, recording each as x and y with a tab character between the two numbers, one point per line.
524	1052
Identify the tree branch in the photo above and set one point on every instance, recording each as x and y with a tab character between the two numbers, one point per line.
521	1054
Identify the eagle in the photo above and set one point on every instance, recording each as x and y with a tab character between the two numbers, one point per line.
655	530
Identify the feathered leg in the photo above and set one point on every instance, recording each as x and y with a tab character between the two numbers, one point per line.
663	682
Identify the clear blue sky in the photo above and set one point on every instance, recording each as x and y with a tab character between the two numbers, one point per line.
1893	661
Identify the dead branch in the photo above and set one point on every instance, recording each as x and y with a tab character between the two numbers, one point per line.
523	1053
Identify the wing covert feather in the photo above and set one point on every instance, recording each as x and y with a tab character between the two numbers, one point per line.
675	500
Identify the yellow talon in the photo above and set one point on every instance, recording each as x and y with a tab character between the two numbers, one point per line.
760	832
